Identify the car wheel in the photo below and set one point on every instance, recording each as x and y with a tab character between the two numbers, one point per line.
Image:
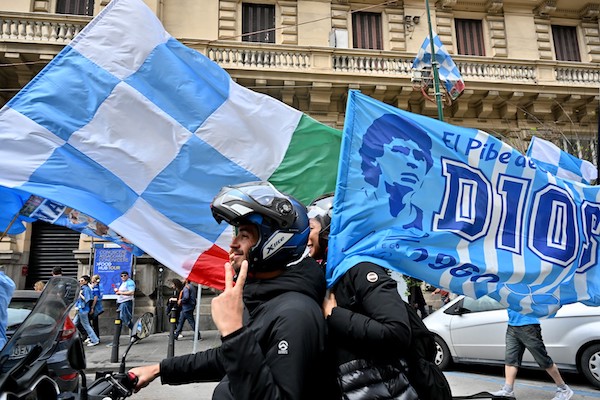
590	364
442	354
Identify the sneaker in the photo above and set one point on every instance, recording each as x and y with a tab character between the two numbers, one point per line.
88	340
90	344
504	393
180	336
563	394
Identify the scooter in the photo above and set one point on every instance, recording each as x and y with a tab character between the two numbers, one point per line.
23	369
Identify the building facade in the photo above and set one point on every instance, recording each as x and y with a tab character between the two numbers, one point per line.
531	67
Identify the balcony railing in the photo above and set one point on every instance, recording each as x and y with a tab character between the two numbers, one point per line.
35	28
249	56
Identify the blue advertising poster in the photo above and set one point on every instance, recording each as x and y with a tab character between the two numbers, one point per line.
109	262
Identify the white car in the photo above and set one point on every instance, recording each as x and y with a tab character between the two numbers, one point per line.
473	331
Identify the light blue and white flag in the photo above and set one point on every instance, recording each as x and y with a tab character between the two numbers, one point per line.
132	128
447	69
551	158
461	210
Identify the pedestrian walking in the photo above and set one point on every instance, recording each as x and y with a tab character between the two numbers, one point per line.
83	307
187	305
522	333
97	309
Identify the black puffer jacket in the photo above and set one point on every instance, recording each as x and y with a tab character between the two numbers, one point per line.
279	352
370	332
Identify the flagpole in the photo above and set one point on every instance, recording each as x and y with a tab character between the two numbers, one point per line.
434	67
2	234
598	143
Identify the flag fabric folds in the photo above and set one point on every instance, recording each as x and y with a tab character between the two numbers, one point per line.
134	129
551	158
447	69
460	210
12	222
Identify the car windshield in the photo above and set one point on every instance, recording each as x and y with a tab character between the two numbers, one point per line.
18	310
44	322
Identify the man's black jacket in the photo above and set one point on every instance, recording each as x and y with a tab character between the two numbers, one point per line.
279	352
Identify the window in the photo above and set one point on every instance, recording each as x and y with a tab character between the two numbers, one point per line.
469	37
366	31
258	23
75	7
566	46
484	303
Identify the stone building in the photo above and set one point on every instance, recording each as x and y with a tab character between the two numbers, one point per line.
530	67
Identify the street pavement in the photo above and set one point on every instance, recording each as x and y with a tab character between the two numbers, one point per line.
149	350
531	385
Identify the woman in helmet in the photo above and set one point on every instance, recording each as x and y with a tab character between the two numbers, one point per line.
274	350
368	326
319	213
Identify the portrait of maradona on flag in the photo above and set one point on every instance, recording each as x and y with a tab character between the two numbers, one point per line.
395	162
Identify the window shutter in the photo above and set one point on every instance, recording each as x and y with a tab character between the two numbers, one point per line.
75	7
258	23
469	37
566	45
366	31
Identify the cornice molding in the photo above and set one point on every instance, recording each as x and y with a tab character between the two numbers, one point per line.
494	6
445	4
590	12
545	8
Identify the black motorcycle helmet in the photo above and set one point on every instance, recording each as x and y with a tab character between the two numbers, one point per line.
281	220
321	209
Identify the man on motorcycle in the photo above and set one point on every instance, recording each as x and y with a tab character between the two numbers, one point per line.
274	348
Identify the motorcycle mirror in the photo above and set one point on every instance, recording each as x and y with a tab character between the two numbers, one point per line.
76	355
142	327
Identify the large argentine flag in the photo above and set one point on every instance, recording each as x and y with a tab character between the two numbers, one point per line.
131	127
461	210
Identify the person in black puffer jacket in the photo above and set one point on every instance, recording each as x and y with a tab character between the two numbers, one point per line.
368	326
272	343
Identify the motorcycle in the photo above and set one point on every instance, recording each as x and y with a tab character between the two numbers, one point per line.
23	368
24	372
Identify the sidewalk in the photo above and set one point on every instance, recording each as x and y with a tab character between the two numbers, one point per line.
147	351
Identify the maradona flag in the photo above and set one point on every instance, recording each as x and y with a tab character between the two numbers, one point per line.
134	129
461	210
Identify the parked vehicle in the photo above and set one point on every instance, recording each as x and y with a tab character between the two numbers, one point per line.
21	304
473	331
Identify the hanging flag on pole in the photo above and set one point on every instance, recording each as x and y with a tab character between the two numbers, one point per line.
551	158
448	71
134	129
461	210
